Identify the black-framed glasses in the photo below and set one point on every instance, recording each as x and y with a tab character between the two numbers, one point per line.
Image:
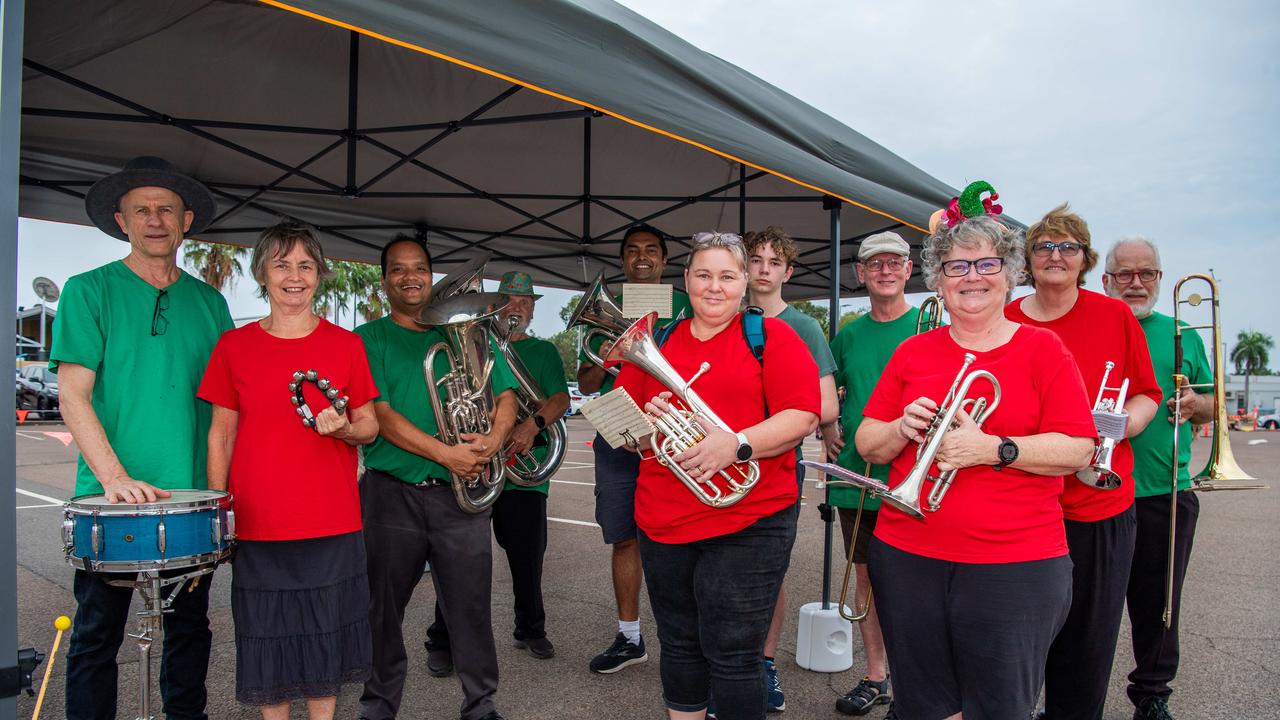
984	266
1068	248
1124	277
892	264
160	323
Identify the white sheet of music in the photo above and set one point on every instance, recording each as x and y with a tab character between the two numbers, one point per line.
617	417
640	299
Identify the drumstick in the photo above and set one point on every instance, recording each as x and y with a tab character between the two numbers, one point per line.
62	623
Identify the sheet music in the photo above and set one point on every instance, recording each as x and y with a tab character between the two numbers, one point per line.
617	417
640	299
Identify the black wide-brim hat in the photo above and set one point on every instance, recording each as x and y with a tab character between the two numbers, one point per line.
103	201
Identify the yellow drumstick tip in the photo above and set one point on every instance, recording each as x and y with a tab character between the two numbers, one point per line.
62	623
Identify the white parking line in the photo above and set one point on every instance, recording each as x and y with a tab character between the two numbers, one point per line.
573	522
38	496
27	435
572	482
32	507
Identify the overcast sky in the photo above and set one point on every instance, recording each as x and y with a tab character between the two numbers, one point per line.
1149	117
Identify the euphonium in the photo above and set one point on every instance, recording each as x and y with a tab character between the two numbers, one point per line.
1221	472
906	496
601	316
679	427
1111	422
525	469
468	405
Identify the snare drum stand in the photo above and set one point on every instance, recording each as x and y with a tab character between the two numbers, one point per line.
155	603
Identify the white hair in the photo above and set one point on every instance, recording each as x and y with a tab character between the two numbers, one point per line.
1132	240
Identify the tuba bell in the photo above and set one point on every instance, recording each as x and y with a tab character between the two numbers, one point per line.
468	405
467	278
680	427
1111	421
525	469
600	316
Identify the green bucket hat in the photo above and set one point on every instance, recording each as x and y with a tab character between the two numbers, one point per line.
517	282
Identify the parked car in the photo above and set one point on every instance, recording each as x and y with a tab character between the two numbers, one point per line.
1270	421
37	390
576	399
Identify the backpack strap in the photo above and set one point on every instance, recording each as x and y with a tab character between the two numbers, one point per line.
663	332
753	331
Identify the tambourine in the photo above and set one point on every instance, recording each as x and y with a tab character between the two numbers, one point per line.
338	401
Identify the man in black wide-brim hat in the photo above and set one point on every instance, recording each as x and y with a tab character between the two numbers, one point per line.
130	344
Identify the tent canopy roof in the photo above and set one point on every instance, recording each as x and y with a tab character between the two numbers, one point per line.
535	131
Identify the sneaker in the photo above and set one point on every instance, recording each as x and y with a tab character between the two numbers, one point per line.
892	714
620	654
711	709
777	702
864	696
439	662
540	648
1153	708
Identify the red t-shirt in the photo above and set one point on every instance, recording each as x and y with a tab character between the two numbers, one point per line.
288	482
736	388
988	515
1096	330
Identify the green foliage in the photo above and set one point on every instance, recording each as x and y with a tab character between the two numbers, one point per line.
1252	352
215	263
852	315
566	341
354	287
816	312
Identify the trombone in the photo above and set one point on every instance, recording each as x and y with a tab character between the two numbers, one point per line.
1221	472
930	317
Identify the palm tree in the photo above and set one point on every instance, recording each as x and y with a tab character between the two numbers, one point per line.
366	287
1251	354
215	263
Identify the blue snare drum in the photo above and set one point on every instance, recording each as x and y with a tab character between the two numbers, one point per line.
191	527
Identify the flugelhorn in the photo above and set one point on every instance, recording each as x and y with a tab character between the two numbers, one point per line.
601	317
1111	422
465	321
1221	472
524	468
680	428
906	496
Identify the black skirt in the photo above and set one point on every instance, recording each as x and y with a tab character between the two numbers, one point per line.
301	611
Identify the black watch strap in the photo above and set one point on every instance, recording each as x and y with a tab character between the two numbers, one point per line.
1008	452
537	420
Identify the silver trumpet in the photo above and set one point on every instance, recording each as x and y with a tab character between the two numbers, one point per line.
1111	421
906	496
601	316
466	321
680	427
525	469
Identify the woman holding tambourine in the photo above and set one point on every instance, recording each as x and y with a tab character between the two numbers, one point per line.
292	397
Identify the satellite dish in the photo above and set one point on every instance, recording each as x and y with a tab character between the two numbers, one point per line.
46	289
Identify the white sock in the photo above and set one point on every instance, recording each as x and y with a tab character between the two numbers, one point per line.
631	629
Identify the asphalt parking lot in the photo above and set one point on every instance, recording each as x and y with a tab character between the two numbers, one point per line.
1230	633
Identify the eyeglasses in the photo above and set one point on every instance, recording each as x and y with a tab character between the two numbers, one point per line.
1124	277
892	265
1068	248
984	266
160	323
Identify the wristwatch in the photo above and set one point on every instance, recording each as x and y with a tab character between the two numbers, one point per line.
744	448
537	420
1007	452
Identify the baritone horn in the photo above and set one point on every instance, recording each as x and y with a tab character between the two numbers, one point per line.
1111	421
1221	472
906	496
680	427
468	406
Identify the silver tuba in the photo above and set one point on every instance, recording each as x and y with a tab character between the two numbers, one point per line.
468	277
680	428
906	496
601	316
525	469
468	405
1111	422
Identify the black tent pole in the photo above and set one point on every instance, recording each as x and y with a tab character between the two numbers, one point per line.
833	324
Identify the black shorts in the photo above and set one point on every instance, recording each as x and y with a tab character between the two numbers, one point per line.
616	472
866	527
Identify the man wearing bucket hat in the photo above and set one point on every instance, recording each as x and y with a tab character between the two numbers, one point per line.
520	512
130	345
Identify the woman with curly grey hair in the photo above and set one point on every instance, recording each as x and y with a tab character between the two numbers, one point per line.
971	597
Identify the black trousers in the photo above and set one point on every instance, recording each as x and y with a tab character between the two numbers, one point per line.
1155	650
1079	667
404	527
102	612
520	527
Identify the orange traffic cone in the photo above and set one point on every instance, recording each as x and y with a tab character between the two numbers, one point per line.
22	416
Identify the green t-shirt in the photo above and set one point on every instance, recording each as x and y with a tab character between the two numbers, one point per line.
679	301
811	332
145	390
861	350
396	356
546	369
1152	473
